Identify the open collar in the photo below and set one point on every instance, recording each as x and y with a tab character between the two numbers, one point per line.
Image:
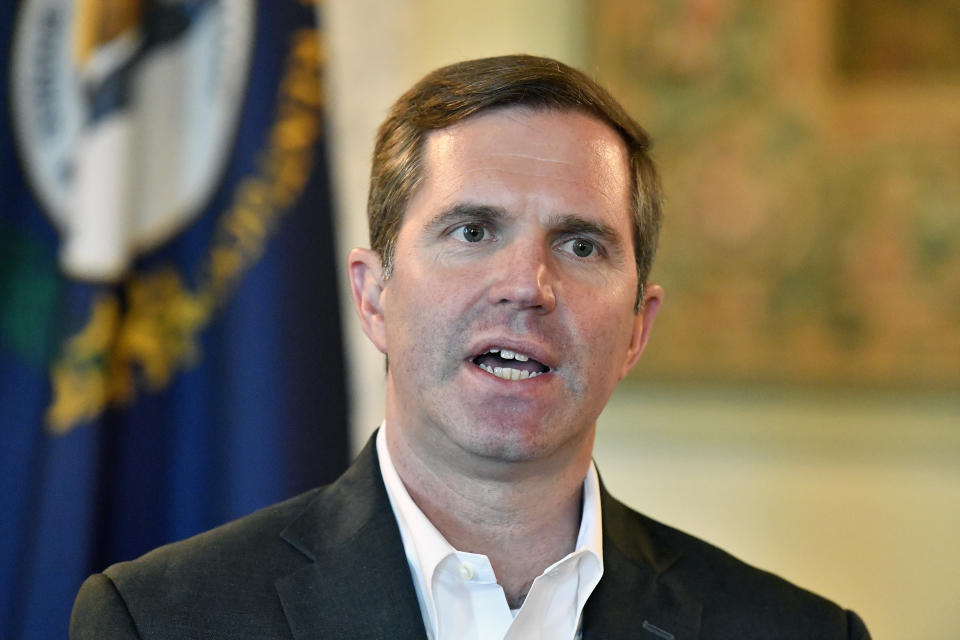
358	582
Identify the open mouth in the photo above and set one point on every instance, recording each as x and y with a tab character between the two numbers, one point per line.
510	365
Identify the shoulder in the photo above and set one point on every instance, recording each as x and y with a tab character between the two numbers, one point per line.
207	585
245	544
226	582
737	600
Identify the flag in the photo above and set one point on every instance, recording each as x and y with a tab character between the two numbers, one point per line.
170	346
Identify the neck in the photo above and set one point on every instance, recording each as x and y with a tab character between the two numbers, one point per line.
523	516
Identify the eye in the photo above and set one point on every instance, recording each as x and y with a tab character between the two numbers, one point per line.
581	247
472	232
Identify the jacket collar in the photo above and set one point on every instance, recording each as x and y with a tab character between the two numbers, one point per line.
637	597
358	584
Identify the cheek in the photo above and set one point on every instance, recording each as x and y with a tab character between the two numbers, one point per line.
421	315
607	335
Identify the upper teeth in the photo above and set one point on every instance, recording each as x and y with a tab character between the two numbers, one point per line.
506	354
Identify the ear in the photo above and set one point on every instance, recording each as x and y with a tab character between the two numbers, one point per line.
366	285
642	324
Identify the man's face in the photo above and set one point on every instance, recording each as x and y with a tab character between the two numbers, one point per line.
509	316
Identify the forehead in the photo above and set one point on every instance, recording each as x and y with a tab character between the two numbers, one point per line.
570	157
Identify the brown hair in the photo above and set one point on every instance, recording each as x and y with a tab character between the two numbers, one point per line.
455	92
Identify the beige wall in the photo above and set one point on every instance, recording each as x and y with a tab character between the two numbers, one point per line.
853	495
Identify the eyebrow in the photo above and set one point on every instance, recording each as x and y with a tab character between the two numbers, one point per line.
575	225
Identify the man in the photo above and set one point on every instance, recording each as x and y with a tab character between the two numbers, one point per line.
514	213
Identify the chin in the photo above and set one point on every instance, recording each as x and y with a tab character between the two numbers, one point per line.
510	452
507	443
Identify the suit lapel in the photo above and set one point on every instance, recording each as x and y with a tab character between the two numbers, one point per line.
358	584
637	598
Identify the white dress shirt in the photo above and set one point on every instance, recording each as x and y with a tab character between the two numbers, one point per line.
458	591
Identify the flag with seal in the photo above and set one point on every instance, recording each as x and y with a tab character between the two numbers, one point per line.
170	347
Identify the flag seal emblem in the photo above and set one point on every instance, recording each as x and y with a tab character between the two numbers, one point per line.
124	114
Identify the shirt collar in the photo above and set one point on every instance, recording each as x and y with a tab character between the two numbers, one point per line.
426	548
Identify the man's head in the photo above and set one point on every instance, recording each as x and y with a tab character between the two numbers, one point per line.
456	92
518	228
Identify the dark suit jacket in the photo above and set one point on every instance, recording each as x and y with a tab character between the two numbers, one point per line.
330	564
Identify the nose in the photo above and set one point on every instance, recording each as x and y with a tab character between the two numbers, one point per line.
523	277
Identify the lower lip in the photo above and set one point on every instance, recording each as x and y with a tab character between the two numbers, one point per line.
529	383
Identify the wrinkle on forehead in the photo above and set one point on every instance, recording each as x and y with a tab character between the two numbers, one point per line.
527	156
606	194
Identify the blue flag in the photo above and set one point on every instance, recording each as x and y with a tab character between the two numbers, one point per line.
170	346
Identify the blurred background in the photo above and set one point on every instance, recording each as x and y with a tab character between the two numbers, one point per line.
177	346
